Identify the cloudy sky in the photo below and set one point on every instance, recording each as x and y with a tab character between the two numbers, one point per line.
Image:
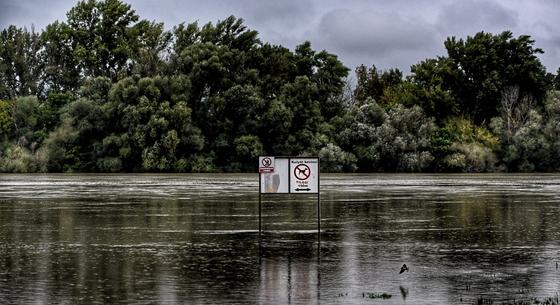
396	33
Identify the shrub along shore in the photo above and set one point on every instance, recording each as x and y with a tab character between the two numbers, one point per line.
106	91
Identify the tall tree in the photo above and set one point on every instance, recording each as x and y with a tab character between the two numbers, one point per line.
6	123
485	65
429	86
556	80
20	66
152	49
375	84
102	37
329	76
61	67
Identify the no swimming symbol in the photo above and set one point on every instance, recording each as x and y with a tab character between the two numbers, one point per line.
266	162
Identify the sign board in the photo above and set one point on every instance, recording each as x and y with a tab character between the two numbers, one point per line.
285	175
278	180
289	175
266	164
304	175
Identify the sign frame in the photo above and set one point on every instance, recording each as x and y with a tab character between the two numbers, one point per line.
318	193
290	173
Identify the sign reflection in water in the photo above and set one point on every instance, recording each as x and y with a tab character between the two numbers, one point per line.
168	239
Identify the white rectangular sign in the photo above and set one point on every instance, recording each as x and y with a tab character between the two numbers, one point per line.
304	175
276	181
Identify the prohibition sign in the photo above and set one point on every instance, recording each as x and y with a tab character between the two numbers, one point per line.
266	162
302	172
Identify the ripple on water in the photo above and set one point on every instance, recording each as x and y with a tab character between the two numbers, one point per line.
143	239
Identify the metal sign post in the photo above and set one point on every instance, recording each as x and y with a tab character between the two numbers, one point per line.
290	175
260	206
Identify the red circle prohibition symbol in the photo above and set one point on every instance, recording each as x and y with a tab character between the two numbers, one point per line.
302	172
266	162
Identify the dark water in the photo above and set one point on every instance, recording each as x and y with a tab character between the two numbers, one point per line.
192	239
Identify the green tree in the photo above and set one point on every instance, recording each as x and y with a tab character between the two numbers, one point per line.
20	65
16	159
102	37
215	57
334	159
369	83
154	128
357	134
74	145
378	85
484	65
24	112
247	149
556	80
299	97
153	45
48	112
469	148
60	67
551	132
403	140
531	144
396	140
329	76
276	67
6	123
526	147
429	86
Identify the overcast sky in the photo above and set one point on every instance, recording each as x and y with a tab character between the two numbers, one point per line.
395	33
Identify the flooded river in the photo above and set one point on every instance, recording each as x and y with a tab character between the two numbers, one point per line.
193	239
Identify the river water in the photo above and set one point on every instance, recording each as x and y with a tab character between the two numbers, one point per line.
193	239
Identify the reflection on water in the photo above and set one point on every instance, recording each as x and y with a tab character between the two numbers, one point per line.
175	239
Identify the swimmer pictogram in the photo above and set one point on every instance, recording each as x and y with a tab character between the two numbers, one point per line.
266	162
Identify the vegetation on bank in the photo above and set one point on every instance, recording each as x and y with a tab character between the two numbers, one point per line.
105	91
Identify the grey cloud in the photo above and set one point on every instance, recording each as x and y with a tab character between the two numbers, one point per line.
260	12
292	12
279	22
543	28
539	19
468	17
9	12
27	13
394	33
374	37
548	39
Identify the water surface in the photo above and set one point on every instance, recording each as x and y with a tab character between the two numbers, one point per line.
193	239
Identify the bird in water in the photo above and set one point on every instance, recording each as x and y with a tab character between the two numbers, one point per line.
403	268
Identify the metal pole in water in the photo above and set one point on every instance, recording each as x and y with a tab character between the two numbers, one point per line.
319	218
319	203
260	205
319	231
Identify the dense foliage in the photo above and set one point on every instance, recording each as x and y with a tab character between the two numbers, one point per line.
105	91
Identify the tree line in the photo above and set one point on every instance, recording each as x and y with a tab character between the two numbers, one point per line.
106	91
